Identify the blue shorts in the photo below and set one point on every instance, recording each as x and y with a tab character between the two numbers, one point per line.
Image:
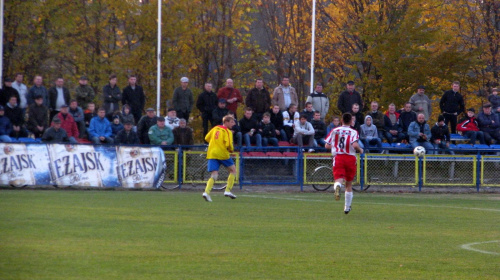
213	164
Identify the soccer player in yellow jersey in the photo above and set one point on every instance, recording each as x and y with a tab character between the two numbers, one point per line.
220	145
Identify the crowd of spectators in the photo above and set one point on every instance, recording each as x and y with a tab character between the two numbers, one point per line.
268	119
53	116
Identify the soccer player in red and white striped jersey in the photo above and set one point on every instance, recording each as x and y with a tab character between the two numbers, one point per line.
343	141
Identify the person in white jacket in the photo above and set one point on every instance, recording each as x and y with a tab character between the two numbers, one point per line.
303	132
290	118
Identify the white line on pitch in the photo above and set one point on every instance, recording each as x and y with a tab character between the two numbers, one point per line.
469	247
376	203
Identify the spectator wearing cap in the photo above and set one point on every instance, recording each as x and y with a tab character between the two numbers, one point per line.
259	99
116	126
69	124
440	136
7	91
144	124
84	92
494	99
58	95
183	134
16	117
55	134
183	99
134	96
38	90
470	127
451	105
348	97
112	95
77	113
127	134
206	103
284	95
5	126
219	112
22	89
38	117
160	134
100	128
172	121
231	95
489	124
420	103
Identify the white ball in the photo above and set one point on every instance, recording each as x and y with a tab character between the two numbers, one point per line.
419	151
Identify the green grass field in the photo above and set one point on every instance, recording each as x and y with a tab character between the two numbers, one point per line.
177	235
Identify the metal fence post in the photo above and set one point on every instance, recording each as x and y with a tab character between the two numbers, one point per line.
300	166
420	173
180	160
478	172
361	170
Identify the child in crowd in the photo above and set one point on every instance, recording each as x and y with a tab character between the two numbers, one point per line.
335	123
126	115
116	126
268	131
89	113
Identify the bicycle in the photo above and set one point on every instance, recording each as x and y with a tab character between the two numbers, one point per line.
320	173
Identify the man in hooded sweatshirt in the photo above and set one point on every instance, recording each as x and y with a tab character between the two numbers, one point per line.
369	134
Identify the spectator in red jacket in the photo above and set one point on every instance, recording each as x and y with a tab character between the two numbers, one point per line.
68	124
470	127
231	95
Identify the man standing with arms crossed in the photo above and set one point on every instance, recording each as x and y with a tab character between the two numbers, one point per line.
220	139
343	141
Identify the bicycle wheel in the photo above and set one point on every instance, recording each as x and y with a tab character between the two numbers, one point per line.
322	174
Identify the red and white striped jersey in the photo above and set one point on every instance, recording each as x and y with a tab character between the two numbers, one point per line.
341	139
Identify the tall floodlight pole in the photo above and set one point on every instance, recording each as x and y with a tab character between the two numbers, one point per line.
313	35
158	63
1	43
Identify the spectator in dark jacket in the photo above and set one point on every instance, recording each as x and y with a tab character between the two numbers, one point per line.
489	124
89	113
15	115
319	130
494	99
133	95
249	129
183	99
219	112
452	105
38	117
7	91
145	124
392	127
277	120
308	111
36	90
348	98
125	115
441	136
5	126
377	119
84	93
55	134
183	135
207	103
116	126
406	116
268	131
58	96
112	95
127	135
355	112
237	137
258	99
470	127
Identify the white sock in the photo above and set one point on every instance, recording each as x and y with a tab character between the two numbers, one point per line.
348	199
